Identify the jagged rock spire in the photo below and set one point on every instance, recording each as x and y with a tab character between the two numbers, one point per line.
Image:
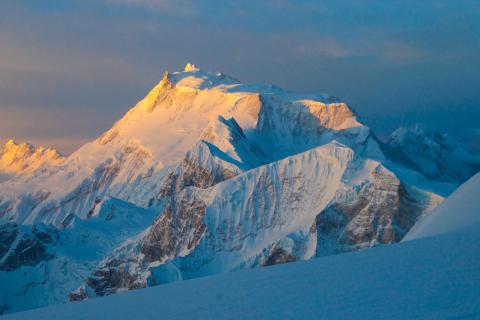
166	82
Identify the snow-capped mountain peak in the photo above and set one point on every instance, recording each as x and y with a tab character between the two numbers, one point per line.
437	155
190	67
24	158
428	135
244	125
187	106
204	175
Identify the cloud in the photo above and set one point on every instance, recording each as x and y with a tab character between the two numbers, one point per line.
60	53
52	126
388	50
174	7
324	48
396	51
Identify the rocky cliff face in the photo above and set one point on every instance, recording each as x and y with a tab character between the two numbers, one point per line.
24	246
231	224
378	210
204	175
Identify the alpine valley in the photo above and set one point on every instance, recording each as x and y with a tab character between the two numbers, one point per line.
207	175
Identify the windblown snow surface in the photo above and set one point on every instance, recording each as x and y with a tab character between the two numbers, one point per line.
459	210
431	278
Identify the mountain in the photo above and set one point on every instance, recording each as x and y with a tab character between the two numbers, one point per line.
430	278
436	155
459	210
24	159
205	175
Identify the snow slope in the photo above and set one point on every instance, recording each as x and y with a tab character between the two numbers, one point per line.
459	210
42	265
434	278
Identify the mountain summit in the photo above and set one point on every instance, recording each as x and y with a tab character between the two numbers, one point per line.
204	175
189	67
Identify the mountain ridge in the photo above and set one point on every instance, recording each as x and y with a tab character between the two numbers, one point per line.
23	159
437	155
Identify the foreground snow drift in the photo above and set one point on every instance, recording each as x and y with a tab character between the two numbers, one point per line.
426	279
459	210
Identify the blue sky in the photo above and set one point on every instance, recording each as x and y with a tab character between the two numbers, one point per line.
69	69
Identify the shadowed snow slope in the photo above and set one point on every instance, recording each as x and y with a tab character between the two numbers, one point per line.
434	278
435	154
460	210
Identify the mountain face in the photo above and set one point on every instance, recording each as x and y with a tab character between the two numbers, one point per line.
437	278
204	175
436	155
24	159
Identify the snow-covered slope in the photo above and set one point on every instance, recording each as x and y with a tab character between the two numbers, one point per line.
220	176
41	265
459	210
435	154
23	159
434	278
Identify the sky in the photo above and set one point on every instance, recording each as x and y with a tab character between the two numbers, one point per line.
69	69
